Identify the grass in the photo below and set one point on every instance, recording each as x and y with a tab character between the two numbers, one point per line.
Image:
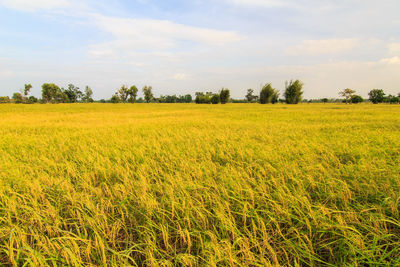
199	185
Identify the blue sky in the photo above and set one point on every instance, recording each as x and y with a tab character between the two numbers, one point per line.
182	47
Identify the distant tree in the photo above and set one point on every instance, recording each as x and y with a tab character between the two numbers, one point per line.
148	93
4	99
123	93
73	93
203	98
376	96
87	95
102	100
224	95
392	99
18	98
293	92
27	89
347	94
188	98
50	91
215	99
250	97
115	99
324	100
132	93
31	100
355	99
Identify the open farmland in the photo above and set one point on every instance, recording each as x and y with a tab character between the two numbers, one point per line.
199	185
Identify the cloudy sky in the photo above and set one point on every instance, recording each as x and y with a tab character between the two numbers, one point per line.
181	47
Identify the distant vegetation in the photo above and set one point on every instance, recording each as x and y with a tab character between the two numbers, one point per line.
293	94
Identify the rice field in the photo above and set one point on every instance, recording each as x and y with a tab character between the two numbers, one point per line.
199	185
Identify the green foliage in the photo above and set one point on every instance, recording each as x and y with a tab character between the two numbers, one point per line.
50	92
293	92
224	95
18	98
148	93
203	98
132	92
123	93
324	100
27	89
392	99
4	99
115	99
347	94
31	100
215	99
73	93
87	95
355	99
376	96
250	97
268	94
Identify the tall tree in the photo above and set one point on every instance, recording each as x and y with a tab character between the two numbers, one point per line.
73	93
88	94
347	94
269	94
132	92
27	89
18	98
376	96
50	92
250	97
224	95
293	92
123	93
148	93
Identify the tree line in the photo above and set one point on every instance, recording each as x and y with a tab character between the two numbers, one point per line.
293	94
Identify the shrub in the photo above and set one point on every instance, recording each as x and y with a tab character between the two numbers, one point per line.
293	92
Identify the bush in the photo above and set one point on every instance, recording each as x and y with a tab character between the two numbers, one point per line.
4	99
215	99
17	98
115	99
203	98
355	99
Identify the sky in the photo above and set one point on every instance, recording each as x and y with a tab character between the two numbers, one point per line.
181	47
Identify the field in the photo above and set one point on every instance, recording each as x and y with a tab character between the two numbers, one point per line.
199	185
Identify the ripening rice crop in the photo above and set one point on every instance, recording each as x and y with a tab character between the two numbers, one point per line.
199	185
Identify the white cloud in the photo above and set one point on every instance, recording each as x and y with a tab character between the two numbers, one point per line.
327	46
132	34
6	73
391	60
32	5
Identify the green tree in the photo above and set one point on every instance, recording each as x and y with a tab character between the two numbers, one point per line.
50	91
215	99
132	92
224	95
376	96
148	93
27	89
115	99
73	93
188	98
203	98
347	94
293	92
123	93
87	95
250	97
4	99
18	98
355	99
31	100
266	94
324	100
